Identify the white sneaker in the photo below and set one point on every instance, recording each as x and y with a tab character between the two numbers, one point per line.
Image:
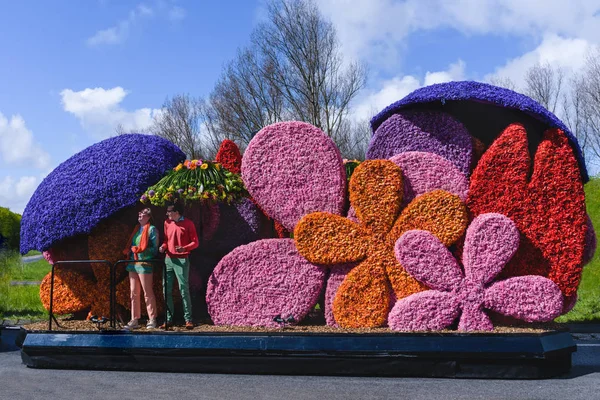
133	324
151	324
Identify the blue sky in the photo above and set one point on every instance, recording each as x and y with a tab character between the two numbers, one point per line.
70	72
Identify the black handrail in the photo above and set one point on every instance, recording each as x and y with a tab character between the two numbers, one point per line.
112	288
155	260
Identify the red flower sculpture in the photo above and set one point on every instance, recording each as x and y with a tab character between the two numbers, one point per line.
548	207
229	156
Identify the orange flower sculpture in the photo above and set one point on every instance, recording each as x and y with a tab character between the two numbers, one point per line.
376	189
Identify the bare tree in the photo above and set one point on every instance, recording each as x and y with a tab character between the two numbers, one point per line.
182	120
244	100
544	84
291	70
589	88
505	82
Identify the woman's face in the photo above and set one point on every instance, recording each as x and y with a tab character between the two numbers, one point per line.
144	217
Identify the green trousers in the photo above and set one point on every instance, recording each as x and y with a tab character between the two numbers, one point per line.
180	268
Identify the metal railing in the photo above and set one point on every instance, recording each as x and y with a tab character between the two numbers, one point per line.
113	289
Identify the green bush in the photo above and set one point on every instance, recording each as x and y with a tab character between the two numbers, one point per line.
10	229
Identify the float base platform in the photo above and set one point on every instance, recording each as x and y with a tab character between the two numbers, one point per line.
502	356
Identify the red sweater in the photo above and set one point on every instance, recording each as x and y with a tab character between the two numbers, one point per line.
181	233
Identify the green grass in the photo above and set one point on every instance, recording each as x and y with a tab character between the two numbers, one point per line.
587	308
20	302
23	302
34	271
33	253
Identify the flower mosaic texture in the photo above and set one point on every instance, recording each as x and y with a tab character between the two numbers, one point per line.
376	190
437	229
92	185
229	156
548	207
491	240
429	131
481	93
259	281
282	174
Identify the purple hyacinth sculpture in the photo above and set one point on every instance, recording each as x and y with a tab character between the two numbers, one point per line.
491	241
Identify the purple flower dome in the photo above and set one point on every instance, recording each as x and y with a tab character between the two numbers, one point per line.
94	184
485	110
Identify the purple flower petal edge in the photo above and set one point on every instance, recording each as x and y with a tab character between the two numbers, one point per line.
482	92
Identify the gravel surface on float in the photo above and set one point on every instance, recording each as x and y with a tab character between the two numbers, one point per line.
79	325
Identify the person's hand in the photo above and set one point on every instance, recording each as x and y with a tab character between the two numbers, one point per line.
161	249
179	249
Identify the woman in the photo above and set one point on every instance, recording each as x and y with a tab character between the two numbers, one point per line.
142	245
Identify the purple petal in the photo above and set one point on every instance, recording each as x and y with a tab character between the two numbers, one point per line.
428	131
424	257
590	242
430	310
530	298
336	277
425	172
292	169
491	241
261	280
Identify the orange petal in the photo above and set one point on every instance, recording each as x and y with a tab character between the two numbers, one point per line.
402	282
363	299
327	239
439	212
71	291
376	190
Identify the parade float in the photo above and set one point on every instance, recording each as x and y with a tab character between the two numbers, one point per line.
449	251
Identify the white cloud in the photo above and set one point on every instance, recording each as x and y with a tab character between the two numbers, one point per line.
374	30
100	113
17	144
398	87
15	194
120	31
565	53
455	72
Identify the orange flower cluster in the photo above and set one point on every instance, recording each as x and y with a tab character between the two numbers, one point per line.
66	300
363	299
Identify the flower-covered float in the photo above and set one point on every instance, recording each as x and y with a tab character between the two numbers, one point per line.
468	212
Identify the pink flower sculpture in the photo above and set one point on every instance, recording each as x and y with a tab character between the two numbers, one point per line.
491	240
261	280
283	169
290	169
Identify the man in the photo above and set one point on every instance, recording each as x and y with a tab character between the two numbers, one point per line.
180	239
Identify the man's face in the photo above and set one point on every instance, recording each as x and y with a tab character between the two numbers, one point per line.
172	214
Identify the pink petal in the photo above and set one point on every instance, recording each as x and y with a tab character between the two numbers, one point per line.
336	277
292	169
261	280
491	241
474	319
425	258
425	172
430	310
530	298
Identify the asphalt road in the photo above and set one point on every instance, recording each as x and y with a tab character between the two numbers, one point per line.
20	382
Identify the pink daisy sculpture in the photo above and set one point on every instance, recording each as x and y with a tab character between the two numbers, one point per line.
491	240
